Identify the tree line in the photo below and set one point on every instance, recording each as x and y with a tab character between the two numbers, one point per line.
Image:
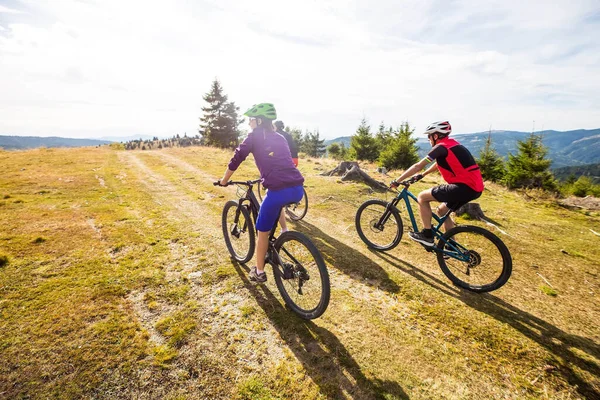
389	147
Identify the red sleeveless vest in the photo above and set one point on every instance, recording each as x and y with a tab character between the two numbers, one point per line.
460	170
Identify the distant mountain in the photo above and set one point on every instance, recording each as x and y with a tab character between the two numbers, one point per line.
128	138
30	142
569	148
590	170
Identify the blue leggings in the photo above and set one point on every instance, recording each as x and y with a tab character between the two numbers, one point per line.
273	203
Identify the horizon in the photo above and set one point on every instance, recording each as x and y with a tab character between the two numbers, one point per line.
68	73
162	137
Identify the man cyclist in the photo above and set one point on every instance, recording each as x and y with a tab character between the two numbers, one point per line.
459	170
279	128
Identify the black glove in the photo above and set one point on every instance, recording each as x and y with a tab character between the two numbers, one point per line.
394	184
417	178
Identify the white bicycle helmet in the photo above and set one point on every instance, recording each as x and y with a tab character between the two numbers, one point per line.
443	128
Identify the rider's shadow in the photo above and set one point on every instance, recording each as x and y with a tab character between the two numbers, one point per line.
348	260
563	345
324	358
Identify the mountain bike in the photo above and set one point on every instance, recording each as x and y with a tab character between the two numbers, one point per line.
298	268
471	257
296	211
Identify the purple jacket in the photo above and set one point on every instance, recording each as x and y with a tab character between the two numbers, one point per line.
273	159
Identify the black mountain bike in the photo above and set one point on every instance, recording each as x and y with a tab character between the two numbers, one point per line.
471	257
298	268
296	211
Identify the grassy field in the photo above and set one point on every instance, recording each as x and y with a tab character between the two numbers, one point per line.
115	283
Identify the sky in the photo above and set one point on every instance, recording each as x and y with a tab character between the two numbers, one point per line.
91	69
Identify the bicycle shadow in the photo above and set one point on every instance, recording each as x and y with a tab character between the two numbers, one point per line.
324	358
560	343
348	260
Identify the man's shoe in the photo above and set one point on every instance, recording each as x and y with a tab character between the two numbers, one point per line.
256	276
421	238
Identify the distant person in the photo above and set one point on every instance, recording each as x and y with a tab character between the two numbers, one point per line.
279	128
459	170
277	170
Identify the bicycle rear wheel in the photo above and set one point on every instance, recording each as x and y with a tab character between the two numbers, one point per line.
378	234
475	259
238	231
261	191
301	275
297	211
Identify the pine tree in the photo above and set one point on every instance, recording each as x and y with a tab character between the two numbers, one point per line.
529	168
400	150
363	146
490	163
312	144
296	134
337	151
219	125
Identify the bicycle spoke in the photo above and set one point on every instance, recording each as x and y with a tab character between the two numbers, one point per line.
370	229
477	260
302	278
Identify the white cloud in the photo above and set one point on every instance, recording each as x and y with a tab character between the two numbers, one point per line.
112	67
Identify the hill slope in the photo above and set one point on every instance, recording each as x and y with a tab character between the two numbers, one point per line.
569	148
29	142
117	284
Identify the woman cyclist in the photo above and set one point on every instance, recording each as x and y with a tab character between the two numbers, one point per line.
278	173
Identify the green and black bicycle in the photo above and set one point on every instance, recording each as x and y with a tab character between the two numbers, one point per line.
470	256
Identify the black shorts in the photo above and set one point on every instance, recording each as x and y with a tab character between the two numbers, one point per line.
455	195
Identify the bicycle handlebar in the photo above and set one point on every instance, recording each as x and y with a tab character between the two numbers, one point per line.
407	182
246	183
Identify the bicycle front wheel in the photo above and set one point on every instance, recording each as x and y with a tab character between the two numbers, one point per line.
238	231
297	211
474	258
301	275
378	228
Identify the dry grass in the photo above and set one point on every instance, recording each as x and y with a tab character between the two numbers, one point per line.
115	283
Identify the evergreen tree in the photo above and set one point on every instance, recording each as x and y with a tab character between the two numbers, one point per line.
313	145
490	163
399	149
384	136
529	168
363	146
296	134
219	125
337	151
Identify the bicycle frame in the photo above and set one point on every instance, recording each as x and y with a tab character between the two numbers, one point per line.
456	250
253	206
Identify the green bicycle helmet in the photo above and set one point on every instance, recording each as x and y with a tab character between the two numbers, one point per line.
265	110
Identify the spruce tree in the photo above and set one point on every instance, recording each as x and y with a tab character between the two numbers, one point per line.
313	145
363	146
490	163
400	150
529	168
219	125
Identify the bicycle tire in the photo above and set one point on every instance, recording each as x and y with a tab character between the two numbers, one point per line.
476	246
372	217
260	191
298	210
310	300
231	229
